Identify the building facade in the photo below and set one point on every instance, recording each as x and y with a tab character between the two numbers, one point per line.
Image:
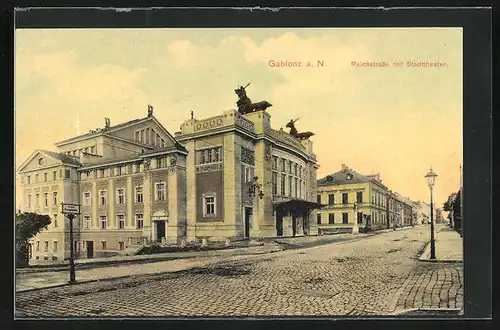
226	177
351	199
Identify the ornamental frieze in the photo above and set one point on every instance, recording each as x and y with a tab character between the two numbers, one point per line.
208	168
208	124
243	123
247	156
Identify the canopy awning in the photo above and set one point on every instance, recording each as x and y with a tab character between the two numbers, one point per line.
299	205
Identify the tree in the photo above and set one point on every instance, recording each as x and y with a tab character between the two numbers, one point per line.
447	206
457	216
28	224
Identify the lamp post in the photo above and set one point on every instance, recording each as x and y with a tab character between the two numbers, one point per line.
431	179
71	211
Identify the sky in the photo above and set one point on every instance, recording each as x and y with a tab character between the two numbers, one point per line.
396	121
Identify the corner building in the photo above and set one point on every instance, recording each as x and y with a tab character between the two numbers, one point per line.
231	153
226	177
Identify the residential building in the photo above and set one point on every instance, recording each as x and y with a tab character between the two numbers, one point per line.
351	198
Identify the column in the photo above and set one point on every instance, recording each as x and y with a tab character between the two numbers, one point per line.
148	200
129	195
111	203
94	202
232	184
191	191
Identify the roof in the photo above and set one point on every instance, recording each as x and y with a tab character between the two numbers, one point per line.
134	156
62	157
341	177
102	130
297	204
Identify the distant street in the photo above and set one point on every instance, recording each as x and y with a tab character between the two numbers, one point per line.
378	275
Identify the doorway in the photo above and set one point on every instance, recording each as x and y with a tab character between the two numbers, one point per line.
294	225
279	223
248	214
90	249
160	230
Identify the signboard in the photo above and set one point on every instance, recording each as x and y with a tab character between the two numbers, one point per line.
70	208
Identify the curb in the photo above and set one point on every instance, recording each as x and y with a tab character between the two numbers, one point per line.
425	256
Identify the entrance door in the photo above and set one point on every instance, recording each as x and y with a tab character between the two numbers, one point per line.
248	213
279	223
90	249
160	230
294	225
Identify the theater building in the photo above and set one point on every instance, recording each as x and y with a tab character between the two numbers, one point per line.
229	176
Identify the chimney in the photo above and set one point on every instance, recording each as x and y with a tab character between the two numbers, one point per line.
344	167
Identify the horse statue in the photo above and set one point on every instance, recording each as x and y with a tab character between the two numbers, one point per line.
244	103
295	133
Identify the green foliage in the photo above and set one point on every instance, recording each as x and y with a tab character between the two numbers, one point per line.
28	224
457	216
447	206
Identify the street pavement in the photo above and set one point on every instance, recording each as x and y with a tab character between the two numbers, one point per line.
374	275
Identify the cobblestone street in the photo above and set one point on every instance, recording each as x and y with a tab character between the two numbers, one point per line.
377	275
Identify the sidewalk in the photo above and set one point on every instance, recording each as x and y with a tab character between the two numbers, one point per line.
448	244
37	280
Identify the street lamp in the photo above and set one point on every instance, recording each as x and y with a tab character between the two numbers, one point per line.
431	179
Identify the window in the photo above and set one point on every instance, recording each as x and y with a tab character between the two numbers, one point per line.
360	217
120	192
54	195
101	172
161	162
28	179
331	218
207	156
29	200
118	170
37	199
139	221
209	203
122	245
160	191
55	246
55	220
296	169
138	195
104	221
36	177
290	182
318	218
296	188
283	184
86	198
318	199
275	163
275	183
121	221
37	247
103	197
87	223
283	165
345	217
331	199
103	243
345	198
67	174
46	246
290	167
300	189
45	177
46	195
